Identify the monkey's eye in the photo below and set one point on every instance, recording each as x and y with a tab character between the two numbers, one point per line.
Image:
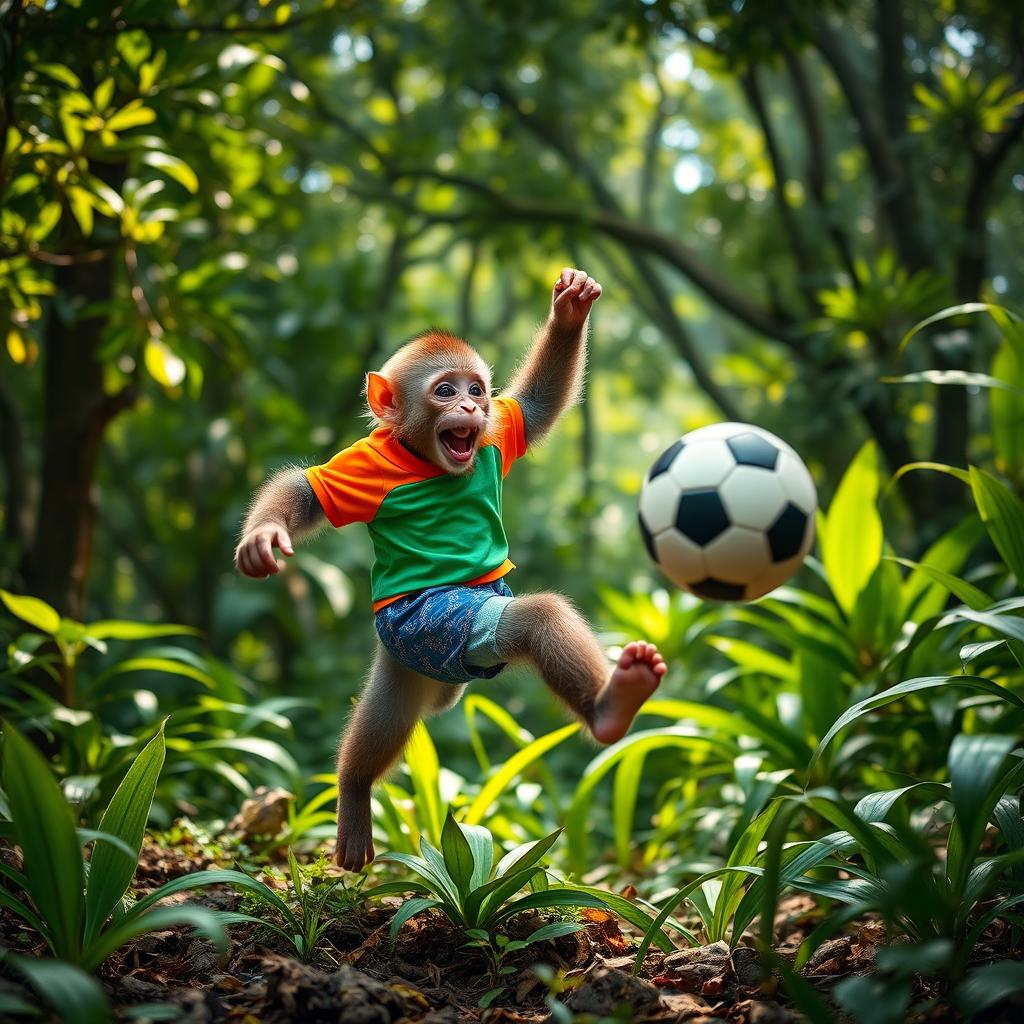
476	391
445	391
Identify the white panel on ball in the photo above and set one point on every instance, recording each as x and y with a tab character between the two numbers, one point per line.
752	496
701	465
738	555
679	558
659	500
797	482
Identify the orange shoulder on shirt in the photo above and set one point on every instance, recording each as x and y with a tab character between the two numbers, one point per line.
352	485
508	432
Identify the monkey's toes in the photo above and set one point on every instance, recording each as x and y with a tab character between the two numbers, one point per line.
353	854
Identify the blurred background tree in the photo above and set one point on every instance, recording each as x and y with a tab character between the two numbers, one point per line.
217	216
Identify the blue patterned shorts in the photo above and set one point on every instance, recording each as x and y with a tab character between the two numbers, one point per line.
448	632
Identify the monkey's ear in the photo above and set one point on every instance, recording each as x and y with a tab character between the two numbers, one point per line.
380	396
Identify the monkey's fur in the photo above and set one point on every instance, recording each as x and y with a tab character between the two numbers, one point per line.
543	630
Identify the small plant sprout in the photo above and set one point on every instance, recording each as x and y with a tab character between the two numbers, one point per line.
496	949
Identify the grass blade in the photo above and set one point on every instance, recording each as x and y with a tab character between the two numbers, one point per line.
111	870
45	831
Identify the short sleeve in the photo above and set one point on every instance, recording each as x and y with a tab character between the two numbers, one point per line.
349	487
508	432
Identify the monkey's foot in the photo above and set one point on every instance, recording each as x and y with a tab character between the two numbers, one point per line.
354	849
633	680
353	852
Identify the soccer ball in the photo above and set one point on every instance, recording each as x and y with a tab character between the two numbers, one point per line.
727	512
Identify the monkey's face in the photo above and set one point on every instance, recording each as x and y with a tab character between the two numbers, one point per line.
458	403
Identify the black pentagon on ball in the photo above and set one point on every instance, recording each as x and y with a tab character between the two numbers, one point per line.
701	516
786	534
718	590
665	460
648	539
750	449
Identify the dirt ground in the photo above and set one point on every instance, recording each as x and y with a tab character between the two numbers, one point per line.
428	977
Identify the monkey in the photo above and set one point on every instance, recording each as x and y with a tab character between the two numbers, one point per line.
427	481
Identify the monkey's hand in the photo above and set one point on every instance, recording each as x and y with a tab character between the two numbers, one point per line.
254	555
571	298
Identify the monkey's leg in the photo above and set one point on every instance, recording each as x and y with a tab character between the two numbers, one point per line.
546	630
391	702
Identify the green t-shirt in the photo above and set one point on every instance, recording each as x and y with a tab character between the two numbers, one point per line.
428	527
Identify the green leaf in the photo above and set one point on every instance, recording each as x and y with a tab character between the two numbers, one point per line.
118	629
552	931
971	595
499	782
458	856
919	685
45	831
408	910
31	610
566	896
989	985
851	538
173	167
207	923
131	116
60	73
111	871
75	995
481	842
424	770
1002	512
953	311
975	762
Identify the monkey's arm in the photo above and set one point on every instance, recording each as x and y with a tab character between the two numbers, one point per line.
551	377
285	506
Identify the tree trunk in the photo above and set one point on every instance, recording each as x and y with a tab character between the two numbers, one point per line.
76	411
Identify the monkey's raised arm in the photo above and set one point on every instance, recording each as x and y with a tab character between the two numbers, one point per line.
551	377
284	507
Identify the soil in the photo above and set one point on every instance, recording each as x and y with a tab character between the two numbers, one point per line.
428	977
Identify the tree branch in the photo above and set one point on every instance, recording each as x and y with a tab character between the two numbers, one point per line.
752	89
817	161
895	195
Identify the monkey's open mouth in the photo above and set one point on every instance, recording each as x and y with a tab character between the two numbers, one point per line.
459	443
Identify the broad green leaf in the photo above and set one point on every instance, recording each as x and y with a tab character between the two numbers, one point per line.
851	539
1006	413
625	789
111	871
948	313
207	923
526	855
577	822
31	610
408	910
424	771
975	761
551	931
1002	512
60	73
118	629
458	856
971	595
173	167
751	656
75	995
45	831
920	685
566	896
989	985
499	782
481	842
131	116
